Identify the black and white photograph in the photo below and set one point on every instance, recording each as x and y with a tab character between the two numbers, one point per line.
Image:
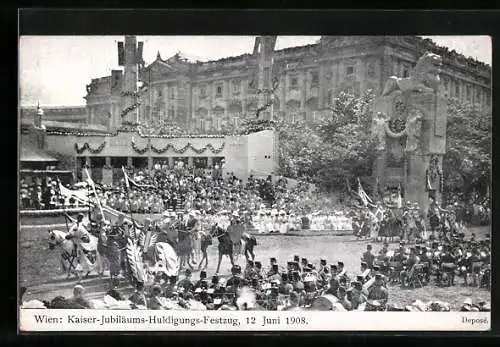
168	174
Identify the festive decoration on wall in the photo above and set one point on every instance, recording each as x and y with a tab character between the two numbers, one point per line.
79	133
86	146
186	147
181	150
129	109
137	149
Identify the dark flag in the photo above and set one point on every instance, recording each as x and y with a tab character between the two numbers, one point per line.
121	54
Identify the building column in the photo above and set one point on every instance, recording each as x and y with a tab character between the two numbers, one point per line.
283	97
190	161
244	96
107	172
363	75
150	163
321	88
210	162
303	86
170	162
129	161
189	113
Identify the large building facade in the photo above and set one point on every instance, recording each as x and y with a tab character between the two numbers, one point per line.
216	95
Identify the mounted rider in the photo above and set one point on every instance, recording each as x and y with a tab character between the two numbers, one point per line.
82	239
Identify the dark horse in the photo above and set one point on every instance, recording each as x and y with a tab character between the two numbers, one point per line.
225	244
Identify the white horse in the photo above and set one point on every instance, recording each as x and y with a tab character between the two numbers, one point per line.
79	251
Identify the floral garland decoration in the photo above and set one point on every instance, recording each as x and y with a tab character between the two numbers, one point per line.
86	146
186	147
137	149
392	134
79	133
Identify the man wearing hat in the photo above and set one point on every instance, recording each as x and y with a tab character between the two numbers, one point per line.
250	243
249	272
202	282
368	256
356	296
378	295
235	231
342	272
258	272
235	280
274	273
365	272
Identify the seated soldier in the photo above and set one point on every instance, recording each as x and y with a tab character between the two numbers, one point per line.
379	293
202	282
258	270
342	296
342	272
368	257
355	294
249	272
365	272
297	283
185	284
408	267
285	287
138	298
78	301
235	280
273	274
155	302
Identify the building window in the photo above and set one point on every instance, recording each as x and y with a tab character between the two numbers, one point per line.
172	93
469	93
294	82
488	98
349	71
314	78
203	92
159	93
218	91
236	87
171	113
457	90
478	95
371	69
406	71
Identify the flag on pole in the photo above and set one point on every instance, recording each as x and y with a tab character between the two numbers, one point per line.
129	181
362	194
127	184
399	199
91	182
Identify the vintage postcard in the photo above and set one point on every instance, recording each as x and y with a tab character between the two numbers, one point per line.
244	183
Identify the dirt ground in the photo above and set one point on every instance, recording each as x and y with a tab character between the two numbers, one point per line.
39	267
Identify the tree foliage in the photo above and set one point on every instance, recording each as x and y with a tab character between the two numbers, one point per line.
336	148
467	162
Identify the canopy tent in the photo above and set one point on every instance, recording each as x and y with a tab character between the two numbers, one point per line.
31	154
31	157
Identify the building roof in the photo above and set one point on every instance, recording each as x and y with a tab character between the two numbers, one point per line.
29	153
55	112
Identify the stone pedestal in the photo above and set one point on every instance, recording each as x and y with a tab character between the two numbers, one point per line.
107	176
